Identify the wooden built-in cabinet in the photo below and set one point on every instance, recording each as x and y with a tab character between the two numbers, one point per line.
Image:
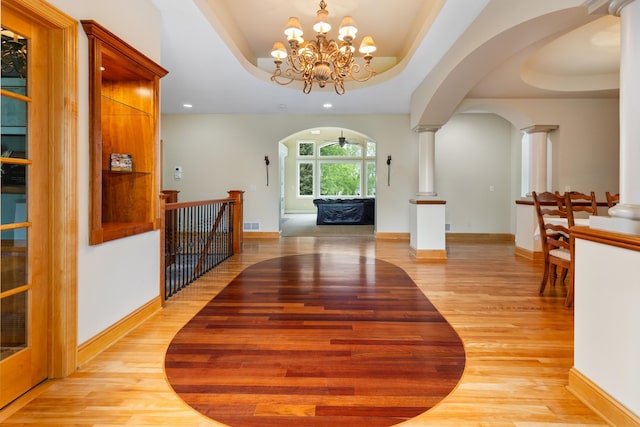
124	110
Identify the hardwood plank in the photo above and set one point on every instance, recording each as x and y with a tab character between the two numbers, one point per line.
519	345
335	326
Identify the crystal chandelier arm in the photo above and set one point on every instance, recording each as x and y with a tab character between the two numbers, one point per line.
355	72
277	76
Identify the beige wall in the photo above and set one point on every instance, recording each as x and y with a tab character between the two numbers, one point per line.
473	153
222	152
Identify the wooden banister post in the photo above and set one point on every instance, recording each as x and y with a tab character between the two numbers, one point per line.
237	195
163	246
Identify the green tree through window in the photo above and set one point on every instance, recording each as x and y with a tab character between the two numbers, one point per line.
336	171
340	179
305	178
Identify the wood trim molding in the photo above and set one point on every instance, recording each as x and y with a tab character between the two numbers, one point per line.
526	253
427	202
482	237
392	236
63	255
589	393
261	235
94	346
624	241
429	254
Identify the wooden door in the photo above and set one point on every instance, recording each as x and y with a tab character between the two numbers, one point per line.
25	206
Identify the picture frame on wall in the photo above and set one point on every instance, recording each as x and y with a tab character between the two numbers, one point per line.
121	162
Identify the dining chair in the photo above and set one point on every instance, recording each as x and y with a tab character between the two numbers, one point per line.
554	238
582	202
612	199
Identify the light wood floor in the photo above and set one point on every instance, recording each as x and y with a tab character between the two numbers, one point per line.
519	345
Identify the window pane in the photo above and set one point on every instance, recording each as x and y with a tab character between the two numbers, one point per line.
340	179
371	149
14	59
371	179
335	150
305	179
305	149
14	259
13	324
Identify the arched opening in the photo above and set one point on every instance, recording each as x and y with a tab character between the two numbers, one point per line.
327	164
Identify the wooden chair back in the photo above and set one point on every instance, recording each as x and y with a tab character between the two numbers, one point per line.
581	202
612	199
554	238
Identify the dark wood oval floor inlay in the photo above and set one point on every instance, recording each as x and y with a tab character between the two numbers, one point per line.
316	340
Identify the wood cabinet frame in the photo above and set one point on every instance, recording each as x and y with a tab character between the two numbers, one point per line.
124	110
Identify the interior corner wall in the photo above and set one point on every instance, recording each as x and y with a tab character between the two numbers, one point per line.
584	148
118	277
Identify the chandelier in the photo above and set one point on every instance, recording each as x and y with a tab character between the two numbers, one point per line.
322	60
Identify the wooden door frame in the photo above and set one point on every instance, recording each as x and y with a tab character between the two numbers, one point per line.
63	179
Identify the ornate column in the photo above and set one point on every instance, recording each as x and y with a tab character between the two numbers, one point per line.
538	157
629	12
426	214
526	220
426	159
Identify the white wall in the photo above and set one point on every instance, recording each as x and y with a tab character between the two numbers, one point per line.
607	296
118	277
473	173
473	153
585	147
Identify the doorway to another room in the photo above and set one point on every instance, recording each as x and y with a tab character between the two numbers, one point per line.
327	183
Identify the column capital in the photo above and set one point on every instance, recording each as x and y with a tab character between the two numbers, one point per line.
613	7
616	6
539	128
426	128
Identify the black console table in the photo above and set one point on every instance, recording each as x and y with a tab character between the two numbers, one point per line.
345	211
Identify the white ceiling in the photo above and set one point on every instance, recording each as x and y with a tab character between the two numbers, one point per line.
212	49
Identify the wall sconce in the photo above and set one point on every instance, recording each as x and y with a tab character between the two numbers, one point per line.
388	170
266	165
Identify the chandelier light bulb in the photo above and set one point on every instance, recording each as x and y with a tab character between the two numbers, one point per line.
278	50
367	46
322	60
293	29
322	25
347	29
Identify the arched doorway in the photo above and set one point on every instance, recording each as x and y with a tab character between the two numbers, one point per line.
331	163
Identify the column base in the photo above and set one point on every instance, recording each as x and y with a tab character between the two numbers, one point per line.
426	194
616	225
625	211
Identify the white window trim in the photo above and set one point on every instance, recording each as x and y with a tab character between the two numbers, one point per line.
310	156
313	178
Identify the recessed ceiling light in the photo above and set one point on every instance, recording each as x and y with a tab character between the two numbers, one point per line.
315	132
327	105
187	105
